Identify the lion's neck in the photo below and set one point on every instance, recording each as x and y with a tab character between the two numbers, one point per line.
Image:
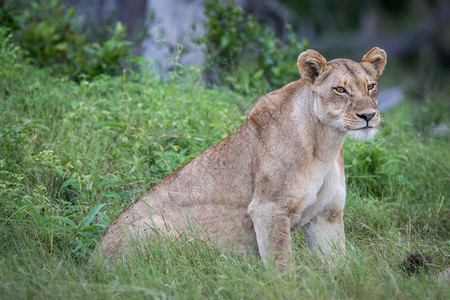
327	142
324	142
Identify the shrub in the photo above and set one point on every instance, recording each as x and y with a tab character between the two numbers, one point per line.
50	37
244	54
8	51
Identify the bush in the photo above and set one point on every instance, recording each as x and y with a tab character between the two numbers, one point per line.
243	54
50	37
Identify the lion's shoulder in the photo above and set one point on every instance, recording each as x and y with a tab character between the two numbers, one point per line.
275	105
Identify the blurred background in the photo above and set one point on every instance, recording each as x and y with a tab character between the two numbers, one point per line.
405	28
235	42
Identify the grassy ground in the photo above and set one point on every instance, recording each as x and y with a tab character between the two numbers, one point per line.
72	156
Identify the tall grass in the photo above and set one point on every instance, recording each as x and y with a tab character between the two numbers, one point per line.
66	149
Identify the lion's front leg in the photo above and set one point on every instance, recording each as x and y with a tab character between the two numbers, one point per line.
325	232
273	234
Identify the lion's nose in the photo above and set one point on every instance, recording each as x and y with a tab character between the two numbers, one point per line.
366	116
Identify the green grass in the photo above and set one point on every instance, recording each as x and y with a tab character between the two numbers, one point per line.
66	148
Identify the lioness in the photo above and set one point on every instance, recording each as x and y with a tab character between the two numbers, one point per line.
283	168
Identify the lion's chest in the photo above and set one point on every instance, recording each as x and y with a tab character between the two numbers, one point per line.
316	190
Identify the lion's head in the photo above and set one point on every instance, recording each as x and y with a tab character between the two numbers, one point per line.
346	92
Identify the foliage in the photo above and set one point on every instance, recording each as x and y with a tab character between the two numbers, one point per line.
51	37
67	147
8	11
73	155
243	54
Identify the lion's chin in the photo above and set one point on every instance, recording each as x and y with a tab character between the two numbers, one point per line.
363	134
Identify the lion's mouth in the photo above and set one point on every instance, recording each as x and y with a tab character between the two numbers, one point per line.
362	128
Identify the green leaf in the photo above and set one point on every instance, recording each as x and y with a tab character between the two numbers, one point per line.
111	194
107	181
40	126
94	226
90	216
257	74
61	47
69	182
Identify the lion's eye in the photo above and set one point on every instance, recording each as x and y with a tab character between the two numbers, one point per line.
371	86
340	90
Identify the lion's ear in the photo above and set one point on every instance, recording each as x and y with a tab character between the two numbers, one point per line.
310	65
374	62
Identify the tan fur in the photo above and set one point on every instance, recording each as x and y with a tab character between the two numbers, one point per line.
281	170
